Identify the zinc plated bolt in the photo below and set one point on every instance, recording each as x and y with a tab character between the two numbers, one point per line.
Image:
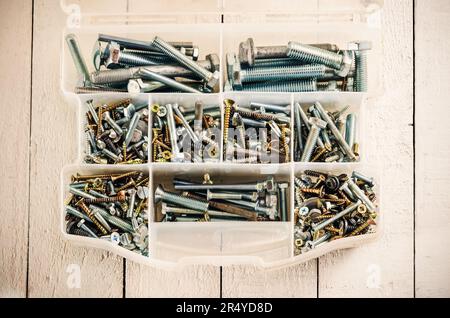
316	126
83	226
305	121
122	224
309	85
172	131
326	139
210	78
310	54
107	117
80	193
146	73
298	128
361	48
161	195
360	176
254	123
139	45
131	127
78	59
185	124
222	196
350	129
213	213
72	211
132	193
283	201
335	132
349	209
360	194
280	73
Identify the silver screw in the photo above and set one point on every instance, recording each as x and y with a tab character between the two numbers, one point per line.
81	225
283	201
185	124
316	126
146	73
172	131
161	195
137	44
361	64
222	196
107	117
349	209
360	176
360	194
78	59
122	224
131	127
210	78
271	108
311	54
324	133
305	120
298	129
335	132
350	129
132	193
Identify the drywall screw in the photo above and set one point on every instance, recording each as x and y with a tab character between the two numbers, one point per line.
350	129
283	201
327	222
335	131
112	123
161	195
132	193
78	59
83	226
316	126
271	108
360	176
309	85
362	227
361	56
311	54
360	194
91	215
285	73
146	73
210	78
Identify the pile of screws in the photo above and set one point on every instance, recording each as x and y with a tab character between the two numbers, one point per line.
323	136
183	134
128	65
258	134
298	67
330	207
116	133
208	201
112	207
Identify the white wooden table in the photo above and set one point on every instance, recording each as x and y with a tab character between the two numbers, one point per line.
406	136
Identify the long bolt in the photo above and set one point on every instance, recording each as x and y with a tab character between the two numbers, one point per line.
131	127
305	121
350	129
309	85
78	59
107	117
271	108
323	132
335	131
212	213
83	226
130	211
210	78
283	202
173	198
281	73
316	126
360	194
324	224
81	193
114	220
70	210
146	73
137	44
172	129
91	215
185	124
298	128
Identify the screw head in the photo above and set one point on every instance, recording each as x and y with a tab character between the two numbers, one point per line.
318	122
247	52
158	193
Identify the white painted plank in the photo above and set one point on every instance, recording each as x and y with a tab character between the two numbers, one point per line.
432	149
192	281
385	268
15	81
54	262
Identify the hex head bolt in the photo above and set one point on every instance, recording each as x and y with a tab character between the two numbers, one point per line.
314	55
316	126
361	64
211	79
107	117
147	74
78	59
360	176
324	224
161	195
361	196
308	85
83	226
348	151
350	129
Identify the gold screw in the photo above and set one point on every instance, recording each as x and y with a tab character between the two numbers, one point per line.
91	215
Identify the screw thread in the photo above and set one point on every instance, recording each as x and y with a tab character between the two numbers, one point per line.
226	119
275	62
89	90
106	200
361	71
181	58
312	191
78	231
183	201
299	183
311	142
282	73
92	217
114	76
133	59
288	87
311	54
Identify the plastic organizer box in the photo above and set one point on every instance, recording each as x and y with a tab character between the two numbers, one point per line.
265	244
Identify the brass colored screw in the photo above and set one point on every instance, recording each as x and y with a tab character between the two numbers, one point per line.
145	180
131	183
284	144
320	192
226	120
124	175
113	106
89	213
124	148
361	228
320	153
78	177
